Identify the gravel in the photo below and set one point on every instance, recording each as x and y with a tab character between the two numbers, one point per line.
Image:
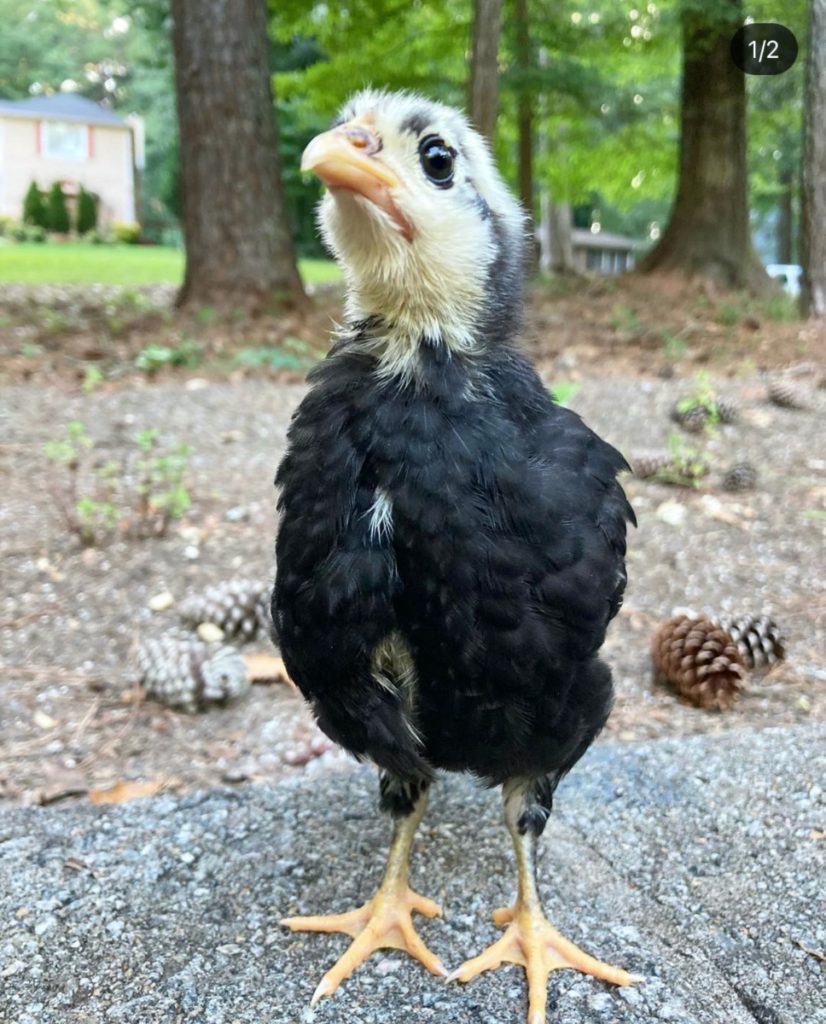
696	862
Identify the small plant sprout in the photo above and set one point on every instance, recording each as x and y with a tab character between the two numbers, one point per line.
67	450
137	496
161	490
688	464
91	379
702	397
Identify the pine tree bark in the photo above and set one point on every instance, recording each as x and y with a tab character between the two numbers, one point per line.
560	238
813	190
524	113
239	251
483	87
785	217
525	127
708	232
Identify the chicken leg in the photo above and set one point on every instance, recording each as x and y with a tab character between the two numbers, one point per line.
530	939
385	921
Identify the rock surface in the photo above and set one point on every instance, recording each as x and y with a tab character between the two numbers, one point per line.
698	863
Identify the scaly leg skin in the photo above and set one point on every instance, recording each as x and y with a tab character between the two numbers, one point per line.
530	939
385	921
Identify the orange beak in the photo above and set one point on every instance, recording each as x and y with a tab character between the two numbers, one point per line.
346	158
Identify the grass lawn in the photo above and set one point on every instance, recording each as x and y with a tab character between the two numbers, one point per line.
84	263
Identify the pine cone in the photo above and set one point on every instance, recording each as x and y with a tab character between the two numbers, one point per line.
742	476
186	673
759	639
699	660
691	417
785	394
728	411
240	608
666	469
646	466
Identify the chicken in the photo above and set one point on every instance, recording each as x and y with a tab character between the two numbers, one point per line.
451	542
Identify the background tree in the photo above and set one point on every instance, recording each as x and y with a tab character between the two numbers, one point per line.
813	226
483	86
524	105
34	209
57	213
708	233
239	251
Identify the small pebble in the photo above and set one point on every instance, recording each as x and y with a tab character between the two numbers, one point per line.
160	602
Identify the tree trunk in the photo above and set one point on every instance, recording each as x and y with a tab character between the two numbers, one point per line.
708	233
483	87
524	113
524	124
785	217
560	240
813	191
239	252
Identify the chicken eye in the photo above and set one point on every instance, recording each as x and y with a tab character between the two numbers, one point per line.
436	158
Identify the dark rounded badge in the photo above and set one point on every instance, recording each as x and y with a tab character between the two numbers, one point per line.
764	48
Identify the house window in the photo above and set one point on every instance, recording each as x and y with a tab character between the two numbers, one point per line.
63	141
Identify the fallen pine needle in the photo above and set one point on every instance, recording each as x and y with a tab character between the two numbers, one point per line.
121	792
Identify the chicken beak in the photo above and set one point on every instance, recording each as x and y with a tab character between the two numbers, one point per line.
345	158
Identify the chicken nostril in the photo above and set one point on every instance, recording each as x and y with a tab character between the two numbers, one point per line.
362	139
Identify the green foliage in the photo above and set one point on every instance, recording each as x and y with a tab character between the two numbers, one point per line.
701	396
156	357
688	465
126	231
87	212
729	314
67	449
780	307
138	496
674	347
27	233
563	391
161	489
34	209
292	354
57	213
92	378
625	320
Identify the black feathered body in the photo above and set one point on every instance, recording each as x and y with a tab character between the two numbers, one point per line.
450	552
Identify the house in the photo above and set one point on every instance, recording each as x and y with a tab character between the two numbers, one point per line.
603	252
68	138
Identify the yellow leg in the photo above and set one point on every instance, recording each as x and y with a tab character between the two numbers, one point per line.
385	921
531	940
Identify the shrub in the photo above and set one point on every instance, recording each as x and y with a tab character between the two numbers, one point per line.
18	232
57	213
87	212
6	225
128	232
34	209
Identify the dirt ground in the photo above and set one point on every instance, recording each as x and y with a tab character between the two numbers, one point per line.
71	717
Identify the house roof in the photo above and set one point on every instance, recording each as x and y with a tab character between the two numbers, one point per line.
62	106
